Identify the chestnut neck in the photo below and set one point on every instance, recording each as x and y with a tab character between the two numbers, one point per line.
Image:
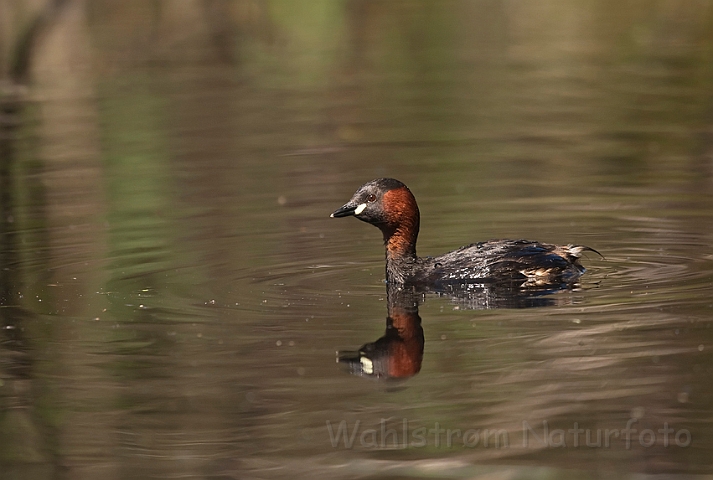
401	241
400	226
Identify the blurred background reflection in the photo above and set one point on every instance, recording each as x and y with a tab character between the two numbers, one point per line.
172	291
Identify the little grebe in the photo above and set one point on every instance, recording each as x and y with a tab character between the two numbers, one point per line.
390	205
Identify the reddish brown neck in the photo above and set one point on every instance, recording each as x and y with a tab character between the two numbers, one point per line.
401	228
401	243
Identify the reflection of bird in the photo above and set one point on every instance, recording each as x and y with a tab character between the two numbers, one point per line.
491	295
398	354
389	205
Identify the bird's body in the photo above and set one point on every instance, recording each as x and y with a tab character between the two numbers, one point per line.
389	205
494	260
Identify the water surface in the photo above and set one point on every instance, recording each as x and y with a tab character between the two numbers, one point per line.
173	292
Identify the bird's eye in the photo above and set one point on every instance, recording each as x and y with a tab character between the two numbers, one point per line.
371	198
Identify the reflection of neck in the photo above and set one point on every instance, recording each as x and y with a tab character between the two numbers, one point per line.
402	306
403	325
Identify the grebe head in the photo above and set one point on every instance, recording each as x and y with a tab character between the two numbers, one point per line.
381	202
389	205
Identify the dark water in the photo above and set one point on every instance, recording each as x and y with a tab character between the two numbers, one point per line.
173	293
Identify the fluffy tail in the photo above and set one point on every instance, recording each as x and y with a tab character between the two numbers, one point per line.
576	250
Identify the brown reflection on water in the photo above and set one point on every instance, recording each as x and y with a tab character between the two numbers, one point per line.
172	293
399	353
